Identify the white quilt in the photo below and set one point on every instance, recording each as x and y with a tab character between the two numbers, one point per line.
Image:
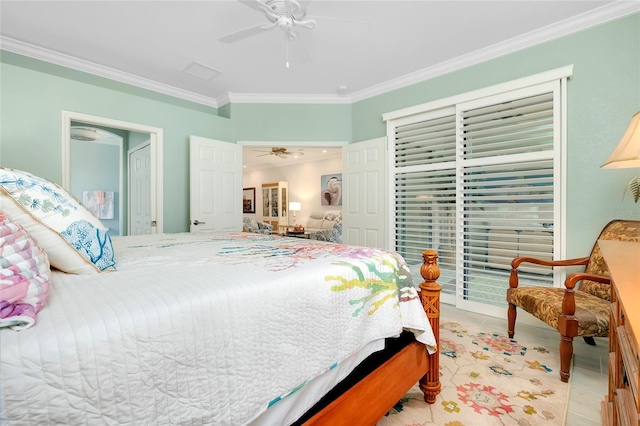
201	329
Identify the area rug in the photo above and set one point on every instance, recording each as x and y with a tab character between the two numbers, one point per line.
488	379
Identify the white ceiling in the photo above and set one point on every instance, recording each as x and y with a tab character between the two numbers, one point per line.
150	44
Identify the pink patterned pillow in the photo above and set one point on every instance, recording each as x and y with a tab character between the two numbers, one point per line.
24	276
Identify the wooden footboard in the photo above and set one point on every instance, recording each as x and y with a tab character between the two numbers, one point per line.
372	397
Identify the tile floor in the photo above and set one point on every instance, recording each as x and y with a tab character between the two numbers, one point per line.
588	381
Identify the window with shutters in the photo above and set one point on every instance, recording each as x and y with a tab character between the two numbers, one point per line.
478	180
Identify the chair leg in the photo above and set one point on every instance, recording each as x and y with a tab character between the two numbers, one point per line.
589	340
511	315
566	352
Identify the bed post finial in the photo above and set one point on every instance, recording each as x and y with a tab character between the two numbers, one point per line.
430	270
430	296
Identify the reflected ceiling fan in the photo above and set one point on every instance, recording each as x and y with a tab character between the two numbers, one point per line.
279	152
289	16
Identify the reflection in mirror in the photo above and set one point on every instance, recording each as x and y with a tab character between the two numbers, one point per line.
101	160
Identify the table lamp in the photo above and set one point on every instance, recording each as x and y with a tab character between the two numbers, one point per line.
627	154
294	206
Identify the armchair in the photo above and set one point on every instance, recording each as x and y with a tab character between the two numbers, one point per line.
250	224
583	311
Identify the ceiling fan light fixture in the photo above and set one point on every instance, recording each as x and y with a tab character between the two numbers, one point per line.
84	134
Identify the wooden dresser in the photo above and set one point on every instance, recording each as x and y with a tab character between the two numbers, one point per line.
620	406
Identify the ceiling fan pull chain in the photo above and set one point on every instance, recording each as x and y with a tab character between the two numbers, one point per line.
287	63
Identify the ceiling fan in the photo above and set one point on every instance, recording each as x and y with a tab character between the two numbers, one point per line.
279	152
289	16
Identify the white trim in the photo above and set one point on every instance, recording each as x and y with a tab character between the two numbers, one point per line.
156	140
274	98
560	249
520	83
606	13
314	144
67	61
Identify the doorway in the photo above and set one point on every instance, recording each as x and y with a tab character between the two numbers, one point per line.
136	136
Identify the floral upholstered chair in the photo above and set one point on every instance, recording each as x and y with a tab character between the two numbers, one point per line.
583	311
250	224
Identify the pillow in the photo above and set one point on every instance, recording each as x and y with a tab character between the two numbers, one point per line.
75	241
332	214
24	276
336	233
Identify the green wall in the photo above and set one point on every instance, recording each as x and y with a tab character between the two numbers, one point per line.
33	95
286	122
602	96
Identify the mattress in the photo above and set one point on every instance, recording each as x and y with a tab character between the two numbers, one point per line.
210	328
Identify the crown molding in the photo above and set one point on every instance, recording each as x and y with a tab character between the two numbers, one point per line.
274	98
51	56
580	22
598	16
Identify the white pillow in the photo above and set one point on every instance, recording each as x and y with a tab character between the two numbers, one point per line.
75	241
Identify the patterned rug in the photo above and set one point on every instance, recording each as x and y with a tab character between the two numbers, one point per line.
488	379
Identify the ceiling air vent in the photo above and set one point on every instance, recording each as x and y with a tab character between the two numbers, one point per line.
201	71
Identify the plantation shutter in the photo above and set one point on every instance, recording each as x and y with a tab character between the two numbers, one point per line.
478	180
425	191
506	191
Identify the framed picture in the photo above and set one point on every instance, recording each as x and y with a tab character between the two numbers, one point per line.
331	190
248	200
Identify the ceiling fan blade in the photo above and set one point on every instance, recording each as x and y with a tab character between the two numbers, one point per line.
341	26
262	155
289	7
244	33
304	4
261	7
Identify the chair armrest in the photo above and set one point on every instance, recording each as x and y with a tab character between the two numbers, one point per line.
515	263
572	279
569	300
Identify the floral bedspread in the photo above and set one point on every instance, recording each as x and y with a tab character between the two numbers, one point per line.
209	328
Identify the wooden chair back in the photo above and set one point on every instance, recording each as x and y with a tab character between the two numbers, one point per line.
619	230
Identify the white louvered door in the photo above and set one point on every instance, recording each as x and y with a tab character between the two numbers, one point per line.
479	182
505	193
425	190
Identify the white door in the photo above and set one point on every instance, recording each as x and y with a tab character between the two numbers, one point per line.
364	209
140	190
215	185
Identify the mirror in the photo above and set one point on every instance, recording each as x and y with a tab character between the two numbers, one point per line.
114	169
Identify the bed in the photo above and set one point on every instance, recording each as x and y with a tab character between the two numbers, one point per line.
215	328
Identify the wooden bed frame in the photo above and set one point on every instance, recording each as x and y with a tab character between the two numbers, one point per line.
373	396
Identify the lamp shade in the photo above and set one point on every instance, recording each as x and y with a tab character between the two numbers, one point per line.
294	206
627	153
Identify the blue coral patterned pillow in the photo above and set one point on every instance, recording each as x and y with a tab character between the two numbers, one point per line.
75	241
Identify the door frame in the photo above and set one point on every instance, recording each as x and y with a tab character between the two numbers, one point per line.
156	141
